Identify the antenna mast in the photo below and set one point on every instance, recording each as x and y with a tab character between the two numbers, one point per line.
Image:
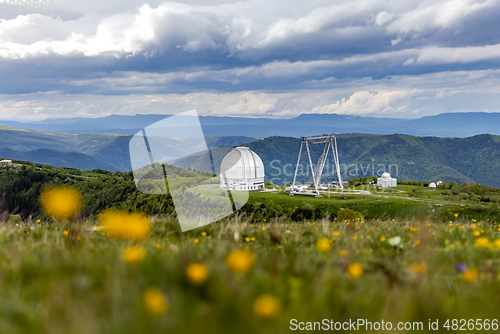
330	142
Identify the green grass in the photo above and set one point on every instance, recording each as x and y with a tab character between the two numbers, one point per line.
52	283
380	205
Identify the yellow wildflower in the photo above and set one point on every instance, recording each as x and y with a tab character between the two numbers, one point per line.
266	306
196	241
62	203
417	242
354	270
252	238
418	268
263	229
324	245
197	273
125	225
382	239
203	234
336	234
133	254
247	239
477	233
470	275
66	232
240	261
155	302
158	246
342	252
482	242
456	215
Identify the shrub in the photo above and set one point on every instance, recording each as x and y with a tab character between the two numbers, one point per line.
463	196
303	212
478	207
348	214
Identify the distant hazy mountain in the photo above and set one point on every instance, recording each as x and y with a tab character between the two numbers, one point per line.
57	158
112	150
443	125
473	159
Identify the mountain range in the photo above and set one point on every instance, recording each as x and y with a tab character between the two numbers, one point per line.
470	159
87	150
443	125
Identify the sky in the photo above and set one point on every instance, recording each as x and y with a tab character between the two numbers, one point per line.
278	59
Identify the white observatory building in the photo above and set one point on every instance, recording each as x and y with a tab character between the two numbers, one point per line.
241	169
386	181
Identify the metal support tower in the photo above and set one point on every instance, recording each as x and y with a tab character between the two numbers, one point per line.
330	142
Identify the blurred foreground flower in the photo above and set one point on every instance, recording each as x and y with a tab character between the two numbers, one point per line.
240	261
482	242
324	245
354	270
266	306
394	241
418	268
155	302
62	203
197	273
470	275
125	225
133	254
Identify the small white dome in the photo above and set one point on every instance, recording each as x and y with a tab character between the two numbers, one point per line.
386	175
432	185
439	183
242	163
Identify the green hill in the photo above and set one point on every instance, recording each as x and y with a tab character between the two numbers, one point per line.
472	159
108	151
58	159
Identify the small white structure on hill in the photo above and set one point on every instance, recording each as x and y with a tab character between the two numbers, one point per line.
242	169
432	186
439	183
386	181
5	163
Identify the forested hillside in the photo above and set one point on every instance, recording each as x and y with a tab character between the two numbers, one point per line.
21	184
473	159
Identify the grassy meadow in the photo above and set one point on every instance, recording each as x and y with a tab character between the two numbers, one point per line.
88	253
75	278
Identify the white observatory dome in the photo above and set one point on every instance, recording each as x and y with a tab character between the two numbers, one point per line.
386	181
242	169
